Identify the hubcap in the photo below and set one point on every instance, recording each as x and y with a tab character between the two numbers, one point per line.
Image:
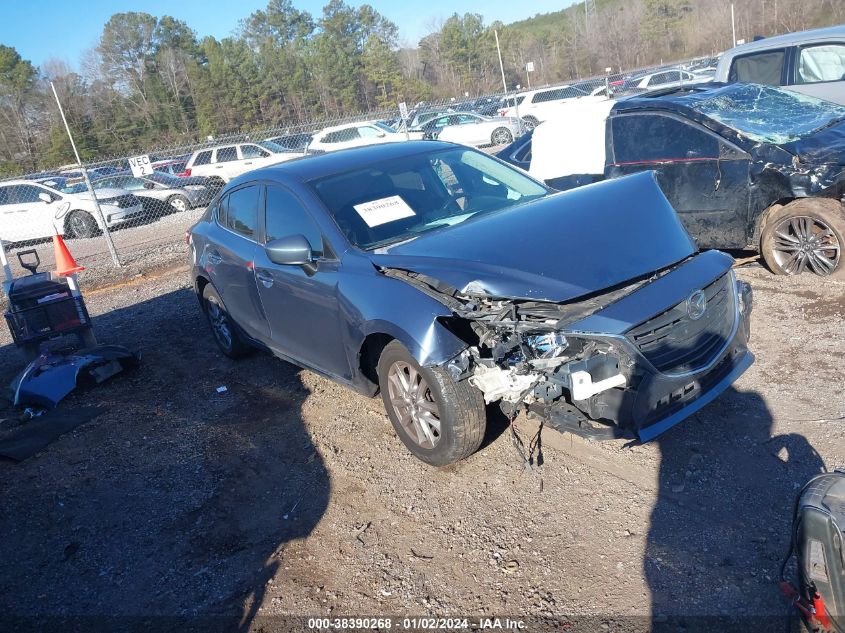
802	242
178	204
501	138
414	404
219	324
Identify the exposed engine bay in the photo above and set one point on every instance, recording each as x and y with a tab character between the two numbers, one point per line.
519	355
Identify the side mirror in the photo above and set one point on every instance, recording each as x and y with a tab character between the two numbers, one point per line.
293	250
380	134
45	197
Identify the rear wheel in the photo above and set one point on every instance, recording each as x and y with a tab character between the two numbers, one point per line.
804	235
501	136
530	123
81	224
225	332
441	421
179	203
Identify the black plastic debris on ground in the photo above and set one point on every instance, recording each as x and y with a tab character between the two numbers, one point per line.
32	436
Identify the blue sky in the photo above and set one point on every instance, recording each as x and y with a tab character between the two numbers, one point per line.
42	29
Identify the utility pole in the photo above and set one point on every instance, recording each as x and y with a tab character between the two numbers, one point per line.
733	24
501	65
106	233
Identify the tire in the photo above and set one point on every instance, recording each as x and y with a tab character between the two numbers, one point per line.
179	203
805	235
225	332
81	224
530	123
457	407
501	136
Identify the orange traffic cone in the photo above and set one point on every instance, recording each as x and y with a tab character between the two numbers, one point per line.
65	264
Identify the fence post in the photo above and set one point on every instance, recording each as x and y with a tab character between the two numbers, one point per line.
100	216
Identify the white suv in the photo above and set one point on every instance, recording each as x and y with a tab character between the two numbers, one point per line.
535	106
34	210
227	161
357	134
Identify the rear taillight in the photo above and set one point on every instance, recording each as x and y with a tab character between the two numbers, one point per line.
185	174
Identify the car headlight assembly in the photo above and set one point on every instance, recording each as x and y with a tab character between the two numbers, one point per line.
547	344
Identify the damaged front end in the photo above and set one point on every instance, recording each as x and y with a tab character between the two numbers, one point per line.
629	361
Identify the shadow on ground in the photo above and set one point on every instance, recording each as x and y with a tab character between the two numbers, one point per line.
178	501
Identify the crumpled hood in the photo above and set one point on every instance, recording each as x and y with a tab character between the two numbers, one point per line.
558	248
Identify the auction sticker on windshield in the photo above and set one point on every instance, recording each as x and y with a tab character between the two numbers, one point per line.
383	210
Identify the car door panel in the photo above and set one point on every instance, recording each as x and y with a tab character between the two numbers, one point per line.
706	180
300	301
230	258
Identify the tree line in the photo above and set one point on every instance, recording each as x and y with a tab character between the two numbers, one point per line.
152	83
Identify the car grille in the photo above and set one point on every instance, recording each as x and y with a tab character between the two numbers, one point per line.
675	343
129	200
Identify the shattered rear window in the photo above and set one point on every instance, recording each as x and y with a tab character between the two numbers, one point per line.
769	115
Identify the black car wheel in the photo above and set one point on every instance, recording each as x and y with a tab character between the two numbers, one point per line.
804	235
501	136
441	421
530	123
225	331
81	224
179	202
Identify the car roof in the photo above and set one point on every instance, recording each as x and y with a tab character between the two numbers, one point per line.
309	168
788	39
335	128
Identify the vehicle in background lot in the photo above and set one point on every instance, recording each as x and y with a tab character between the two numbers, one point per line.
810	62
35	210
293	142
518	153
487	106
511	101
670	78
172	167
446	279
161	193
98	172
537	105
468	128
356	135
221	164
744	165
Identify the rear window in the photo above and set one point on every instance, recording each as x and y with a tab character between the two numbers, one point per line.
758	68
242	211
203	158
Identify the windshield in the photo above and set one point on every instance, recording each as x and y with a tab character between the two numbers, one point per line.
163	178
385	127
77	188
398	200
769	115
273	147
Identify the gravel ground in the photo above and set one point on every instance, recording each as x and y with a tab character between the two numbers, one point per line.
289	494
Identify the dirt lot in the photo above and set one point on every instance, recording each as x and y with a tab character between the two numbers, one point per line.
288	494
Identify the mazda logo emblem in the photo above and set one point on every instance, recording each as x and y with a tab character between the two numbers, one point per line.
696	305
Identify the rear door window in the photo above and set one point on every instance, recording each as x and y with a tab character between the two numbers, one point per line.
643	138
203	158
242	210
285	216
5	195
821	63
227	154
759	68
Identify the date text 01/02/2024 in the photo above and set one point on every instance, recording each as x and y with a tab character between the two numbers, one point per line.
415	624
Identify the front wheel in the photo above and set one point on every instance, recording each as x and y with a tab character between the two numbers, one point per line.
530	123
81	224
804	235
441	421
501	136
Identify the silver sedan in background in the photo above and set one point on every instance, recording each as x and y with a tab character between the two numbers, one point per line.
476	130
161	193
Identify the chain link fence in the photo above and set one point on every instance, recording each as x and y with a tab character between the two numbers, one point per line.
146	216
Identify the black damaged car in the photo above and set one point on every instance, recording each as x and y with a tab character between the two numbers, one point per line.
744	165
446	279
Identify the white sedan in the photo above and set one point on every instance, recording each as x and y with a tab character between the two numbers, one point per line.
477	130
356	135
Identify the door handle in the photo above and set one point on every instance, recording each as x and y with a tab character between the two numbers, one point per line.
266	279
249	162
214	257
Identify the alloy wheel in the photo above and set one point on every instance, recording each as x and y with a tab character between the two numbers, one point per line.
179	204
801	242
414	404
219	324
